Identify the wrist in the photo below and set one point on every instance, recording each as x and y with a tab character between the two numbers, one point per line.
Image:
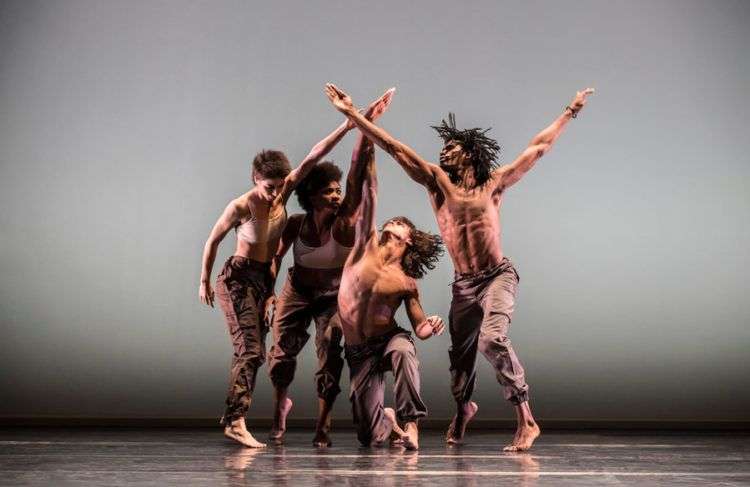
571	112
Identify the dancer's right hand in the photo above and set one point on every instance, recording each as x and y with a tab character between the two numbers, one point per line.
206	294
340	100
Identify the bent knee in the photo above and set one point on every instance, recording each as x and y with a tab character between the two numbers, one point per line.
493	343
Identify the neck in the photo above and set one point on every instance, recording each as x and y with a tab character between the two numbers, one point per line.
466	177
322	219
257	199
388	256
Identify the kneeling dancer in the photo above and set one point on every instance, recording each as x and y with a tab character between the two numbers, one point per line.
378	276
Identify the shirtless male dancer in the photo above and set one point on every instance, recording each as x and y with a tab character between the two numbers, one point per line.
321	239
466	191
378	276
246	280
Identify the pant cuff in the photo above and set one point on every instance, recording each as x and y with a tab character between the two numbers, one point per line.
519	398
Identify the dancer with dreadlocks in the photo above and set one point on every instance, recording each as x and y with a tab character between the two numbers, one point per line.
321	239
378	276
466	191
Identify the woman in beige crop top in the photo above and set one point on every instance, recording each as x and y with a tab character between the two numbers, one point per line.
246	280
321	239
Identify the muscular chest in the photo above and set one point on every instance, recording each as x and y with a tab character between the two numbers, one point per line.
374	281
467	210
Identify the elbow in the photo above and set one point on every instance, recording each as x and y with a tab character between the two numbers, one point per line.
212	245
538	150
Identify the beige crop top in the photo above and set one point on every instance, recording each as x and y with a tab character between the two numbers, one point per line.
261	230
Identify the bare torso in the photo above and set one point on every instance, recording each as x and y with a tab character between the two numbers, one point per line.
469	222
369	296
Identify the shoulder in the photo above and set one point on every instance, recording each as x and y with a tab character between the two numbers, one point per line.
296	219
498	178
410	286
244	202
238	207
294	224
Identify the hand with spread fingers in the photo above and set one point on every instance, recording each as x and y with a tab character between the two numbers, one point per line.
340	100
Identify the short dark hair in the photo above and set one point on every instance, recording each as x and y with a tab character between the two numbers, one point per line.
484	151
320	176
424	251
270	164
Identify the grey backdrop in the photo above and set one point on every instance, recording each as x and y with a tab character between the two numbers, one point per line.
126	127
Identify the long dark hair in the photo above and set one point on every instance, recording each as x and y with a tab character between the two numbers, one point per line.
424	251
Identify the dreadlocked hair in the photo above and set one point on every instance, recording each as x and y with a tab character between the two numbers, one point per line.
484	150
424	251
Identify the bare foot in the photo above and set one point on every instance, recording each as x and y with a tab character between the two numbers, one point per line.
279	425
411	438
456	430
242	436
321	439
525	436
397	431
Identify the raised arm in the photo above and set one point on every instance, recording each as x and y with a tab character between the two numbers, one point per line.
365	233
317	153
226	222
424	327
354	179
510	174
417	168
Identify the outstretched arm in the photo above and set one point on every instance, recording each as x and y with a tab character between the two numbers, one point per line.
317	153
226	221
417	168
366	235
424	327
541	144
358	167
354	182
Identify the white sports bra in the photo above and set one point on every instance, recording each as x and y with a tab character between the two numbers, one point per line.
331	255
262	230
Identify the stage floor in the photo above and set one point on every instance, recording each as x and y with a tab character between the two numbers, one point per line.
114	457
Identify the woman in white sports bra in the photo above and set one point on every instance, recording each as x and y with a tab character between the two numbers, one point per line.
321	239
246	280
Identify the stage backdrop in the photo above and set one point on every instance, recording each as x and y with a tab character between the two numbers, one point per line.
126	127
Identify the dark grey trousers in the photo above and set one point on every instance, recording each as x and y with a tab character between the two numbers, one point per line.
480	317
295	307
368	362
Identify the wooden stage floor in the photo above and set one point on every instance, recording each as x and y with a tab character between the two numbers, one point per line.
125	457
